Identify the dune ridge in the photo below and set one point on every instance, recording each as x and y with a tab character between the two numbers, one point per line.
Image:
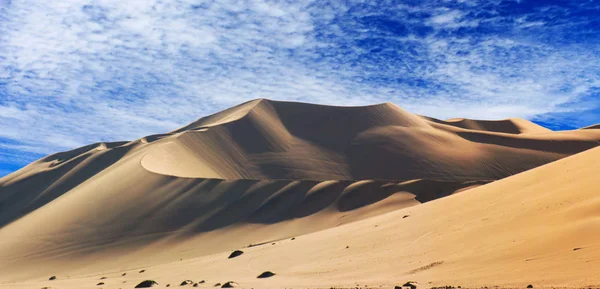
259	172
511	125
596	126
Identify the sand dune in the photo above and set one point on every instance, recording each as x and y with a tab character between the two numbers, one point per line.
512	126
538	228
596	126
265	171
280	140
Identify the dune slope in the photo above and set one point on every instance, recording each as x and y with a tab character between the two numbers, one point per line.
260	172
537	227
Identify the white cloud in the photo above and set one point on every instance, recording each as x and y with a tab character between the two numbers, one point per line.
446	18
75	72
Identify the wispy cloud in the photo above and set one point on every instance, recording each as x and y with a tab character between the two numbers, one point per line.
75	72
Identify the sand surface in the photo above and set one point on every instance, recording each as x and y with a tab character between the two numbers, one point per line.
374	196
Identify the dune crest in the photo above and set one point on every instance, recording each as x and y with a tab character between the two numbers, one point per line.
596	126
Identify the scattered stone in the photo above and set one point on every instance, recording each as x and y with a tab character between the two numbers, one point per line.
101	283
123	274
142	271
195	284
146	284
168	285
102	278
266	274
186	282
52	278
529	286
405	216
407	285
201	282
293	239
273	244
575	249
235	254
218	284
347	247
229	284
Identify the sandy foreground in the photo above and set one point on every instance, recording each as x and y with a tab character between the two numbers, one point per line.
372	197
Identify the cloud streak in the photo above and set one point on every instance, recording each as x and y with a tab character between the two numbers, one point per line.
76	72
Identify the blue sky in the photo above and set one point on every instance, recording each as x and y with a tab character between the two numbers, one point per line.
78	72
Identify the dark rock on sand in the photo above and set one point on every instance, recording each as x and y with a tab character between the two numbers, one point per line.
266	274
229	284
409	284
235	254
146	284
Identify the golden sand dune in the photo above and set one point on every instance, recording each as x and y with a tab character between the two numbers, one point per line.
282	140
265	171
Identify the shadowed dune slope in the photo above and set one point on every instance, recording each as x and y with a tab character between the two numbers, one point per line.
537	227
258	172
126	208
